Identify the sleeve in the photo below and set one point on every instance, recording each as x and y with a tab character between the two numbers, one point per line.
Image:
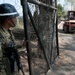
1	41
13	38
1	38
1	54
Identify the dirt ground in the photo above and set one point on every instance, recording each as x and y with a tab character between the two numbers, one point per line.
65	63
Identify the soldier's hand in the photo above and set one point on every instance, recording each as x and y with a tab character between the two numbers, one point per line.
24	43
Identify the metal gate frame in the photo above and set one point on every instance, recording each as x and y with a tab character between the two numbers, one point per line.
27	12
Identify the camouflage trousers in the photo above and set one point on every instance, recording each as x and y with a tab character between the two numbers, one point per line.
5	68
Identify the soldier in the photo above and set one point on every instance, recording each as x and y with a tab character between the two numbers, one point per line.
8	19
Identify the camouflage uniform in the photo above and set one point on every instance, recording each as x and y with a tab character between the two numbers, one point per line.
6	37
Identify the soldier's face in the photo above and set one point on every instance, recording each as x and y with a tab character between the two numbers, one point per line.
12	21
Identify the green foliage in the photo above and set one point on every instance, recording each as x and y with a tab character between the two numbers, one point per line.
60	11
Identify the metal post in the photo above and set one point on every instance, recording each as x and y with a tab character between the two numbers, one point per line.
57	29
25	20
57	36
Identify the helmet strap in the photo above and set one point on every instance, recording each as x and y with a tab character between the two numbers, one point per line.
12	22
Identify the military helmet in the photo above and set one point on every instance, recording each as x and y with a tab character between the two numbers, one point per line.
8	10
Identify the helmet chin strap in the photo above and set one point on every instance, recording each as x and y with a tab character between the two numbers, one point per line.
12	22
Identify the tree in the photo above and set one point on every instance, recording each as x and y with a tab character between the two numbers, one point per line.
60	10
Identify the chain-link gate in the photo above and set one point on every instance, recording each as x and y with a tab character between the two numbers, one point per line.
40	30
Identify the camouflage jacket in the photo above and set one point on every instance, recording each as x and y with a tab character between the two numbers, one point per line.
6	37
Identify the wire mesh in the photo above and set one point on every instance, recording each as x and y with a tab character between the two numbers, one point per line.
45	23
